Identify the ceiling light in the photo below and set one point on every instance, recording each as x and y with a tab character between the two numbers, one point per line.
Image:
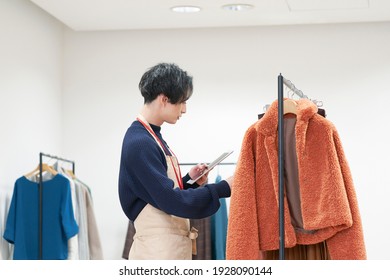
237	7
185	9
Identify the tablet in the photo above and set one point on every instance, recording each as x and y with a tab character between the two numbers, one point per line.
212	165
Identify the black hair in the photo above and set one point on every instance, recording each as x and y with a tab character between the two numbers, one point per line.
166	78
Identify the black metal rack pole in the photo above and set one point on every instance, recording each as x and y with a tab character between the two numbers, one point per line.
281	166
281	83
40	193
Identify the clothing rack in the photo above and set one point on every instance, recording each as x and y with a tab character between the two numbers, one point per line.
281	83
40	190
292	87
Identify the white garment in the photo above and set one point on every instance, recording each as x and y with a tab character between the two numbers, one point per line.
6	249
73	243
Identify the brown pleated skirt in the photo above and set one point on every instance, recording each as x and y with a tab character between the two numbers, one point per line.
317	251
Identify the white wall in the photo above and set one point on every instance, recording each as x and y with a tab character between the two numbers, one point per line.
31	45
235	70
75	97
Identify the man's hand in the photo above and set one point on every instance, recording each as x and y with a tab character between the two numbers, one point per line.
203	180
198	170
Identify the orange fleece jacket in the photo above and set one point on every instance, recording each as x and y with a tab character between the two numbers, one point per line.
328	199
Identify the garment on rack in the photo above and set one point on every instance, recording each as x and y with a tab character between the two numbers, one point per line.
6	249
58	223
328	203
128	240
81	218
318	251
321	111
219	223
94	246
203	242
73	242
86	244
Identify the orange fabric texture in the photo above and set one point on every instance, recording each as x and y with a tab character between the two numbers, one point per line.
328	200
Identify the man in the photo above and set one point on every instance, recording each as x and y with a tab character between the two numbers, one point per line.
152	192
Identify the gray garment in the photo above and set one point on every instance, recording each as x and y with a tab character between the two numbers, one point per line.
128	240
203	242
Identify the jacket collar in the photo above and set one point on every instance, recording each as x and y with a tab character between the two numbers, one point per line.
269	122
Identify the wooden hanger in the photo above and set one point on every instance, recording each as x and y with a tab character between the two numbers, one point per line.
45	167
290	106
70	173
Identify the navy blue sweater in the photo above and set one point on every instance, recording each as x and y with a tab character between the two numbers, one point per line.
143	179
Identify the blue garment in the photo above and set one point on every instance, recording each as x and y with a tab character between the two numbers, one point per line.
58	222
143	179
219	223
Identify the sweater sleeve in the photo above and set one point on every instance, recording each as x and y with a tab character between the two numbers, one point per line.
349	243
243	231
186	185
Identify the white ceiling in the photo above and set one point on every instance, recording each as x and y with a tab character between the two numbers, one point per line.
91	15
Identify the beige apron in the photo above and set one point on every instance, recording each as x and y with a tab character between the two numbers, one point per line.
159	235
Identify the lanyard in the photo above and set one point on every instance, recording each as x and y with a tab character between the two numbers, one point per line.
177	172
